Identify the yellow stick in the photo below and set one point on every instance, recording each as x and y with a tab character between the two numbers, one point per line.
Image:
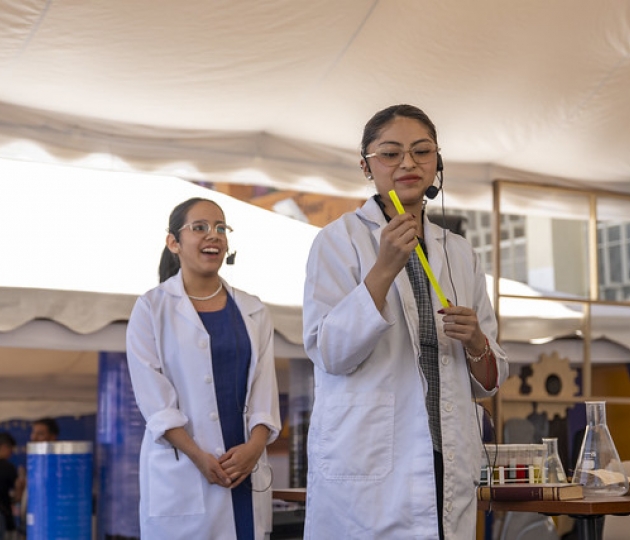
423	260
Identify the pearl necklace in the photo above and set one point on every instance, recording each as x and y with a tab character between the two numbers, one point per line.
202	298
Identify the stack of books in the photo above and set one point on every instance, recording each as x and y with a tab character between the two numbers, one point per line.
530	492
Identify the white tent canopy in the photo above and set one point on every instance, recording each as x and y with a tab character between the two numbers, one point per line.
277	92
91	231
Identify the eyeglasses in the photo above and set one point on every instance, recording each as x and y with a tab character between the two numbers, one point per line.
204	228
391	155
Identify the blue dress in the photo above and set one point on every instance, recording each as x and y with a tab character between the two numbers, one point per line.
231	353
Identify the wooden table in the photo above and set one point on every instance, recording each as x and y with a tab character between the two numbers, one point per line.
290	494
587	512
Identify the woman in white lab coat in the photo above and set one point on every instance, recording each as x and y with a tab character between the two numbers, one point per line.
394	444
201	360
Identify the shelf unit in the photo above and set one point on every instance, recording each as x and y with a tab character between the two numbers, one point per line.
585	210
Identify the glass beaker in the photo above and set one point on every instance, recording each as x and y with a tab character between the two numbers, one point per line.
553	471
598	467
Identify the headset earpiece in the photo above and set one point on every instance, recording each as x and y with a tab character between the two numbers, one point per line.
440	163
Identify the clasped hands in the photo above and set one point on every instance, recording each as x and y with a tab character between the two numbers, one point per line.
230	469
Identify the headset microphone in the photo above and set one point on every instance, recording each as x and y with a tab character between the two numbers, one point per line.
432	191
230	258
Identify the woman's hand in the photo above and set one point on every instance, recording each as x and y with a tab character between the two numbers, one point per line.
398	239
461	323
239	462
213	472
207	464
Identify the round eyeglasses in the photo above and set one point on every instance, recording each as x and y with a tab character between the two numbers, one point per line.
392	155
204	228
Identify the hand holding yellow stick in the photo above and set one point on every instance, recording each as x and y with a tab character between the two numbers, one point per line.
423	260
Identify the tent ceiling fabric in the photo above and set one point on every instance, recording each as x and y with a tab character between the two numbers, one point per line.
38	383
277	92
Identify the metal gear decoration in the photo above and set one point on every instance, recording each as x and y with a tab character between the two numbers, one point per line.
543	384
552	377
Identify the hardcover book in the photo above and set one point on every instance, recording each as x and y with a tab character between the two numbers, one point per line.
530	492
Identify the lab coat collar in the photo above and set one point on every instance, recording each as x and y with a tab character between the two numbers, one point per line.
371	212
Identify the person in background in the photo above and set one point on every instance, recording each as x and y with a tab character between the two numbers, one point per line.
202	366
45	430
395	439
8	476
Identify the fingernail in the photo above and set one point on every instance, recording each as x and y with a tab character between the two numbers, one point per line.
441	311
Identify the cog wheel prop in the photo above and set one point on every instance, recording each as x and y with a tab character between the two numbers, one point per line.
549	379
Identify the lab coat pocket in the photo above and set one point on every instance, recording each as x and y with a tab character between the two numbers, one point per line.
357	434
175	485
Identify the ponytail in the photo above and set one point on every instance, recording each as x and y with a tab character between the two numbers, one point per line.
169	265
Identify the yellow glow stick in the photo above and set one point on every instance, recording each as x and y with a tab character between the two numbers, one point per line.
423	260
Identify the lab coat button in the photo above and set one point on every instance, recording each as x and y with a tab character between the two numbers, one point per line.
450	456
448	506
207	379
202	343
448	407
214	416
445	360
218	451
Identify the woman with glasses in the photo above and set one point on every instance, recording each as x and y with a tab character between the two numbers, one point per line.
395	441
201	360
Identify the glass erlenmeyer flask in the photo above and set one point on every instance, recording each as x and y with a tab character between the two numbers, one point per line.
598	467
553	471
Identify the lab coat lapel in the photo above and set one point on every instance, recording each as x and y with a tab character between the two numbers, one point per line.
247	308
183	306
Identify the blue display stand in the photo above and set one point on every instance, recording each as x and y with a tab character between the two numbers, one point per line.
59	490
120	428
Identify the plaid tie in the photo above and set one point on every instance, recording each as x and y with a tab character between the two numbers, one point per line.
428	343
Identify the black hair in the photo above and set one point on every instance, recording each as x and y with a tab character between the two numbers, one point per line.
169	262
51	425
7	438
373	128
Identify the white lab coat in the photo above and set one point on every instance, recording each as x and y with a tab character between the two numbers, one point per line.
370	453
169	356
